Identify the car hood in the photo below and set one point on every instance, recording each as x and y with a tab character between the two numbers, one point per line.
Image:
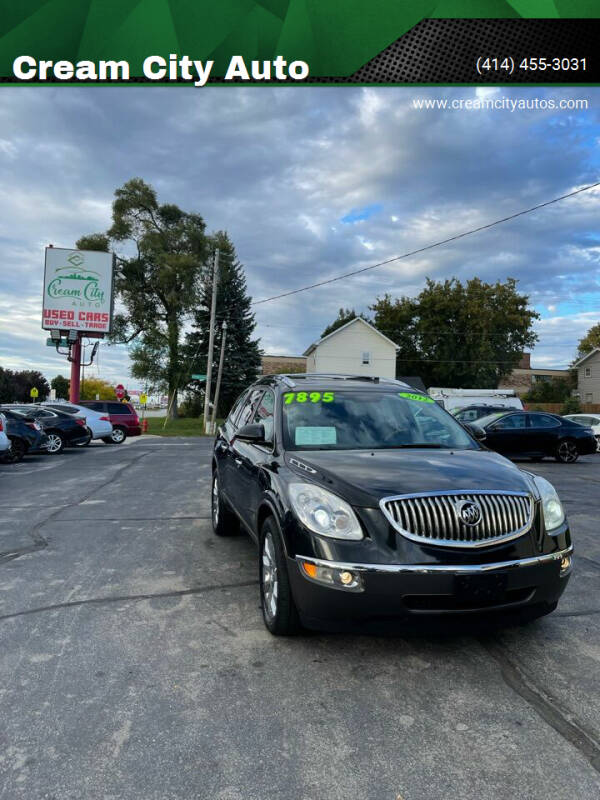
363	477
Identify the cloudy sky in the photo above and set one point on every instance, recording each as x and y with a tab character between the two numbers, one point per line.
309	182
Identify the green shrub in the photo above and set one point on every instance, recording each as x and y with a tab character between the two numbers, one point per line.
571	406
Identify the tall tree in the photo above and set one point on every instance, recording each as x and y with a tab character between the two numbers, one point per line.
589	341
242	359
15	386
469	335
91	387
60	384
158	284
344	316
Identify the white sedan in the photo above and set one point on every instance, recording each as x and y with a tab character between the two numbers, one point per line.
590	421
98	423
4	440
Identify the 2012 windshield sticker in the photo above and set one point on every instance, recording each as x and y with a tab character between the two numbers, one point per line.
418	397
308	397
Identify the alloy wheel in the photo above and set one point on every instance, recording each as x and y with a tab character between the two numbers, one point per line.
270	584
567	452
215	501
55	443
117	436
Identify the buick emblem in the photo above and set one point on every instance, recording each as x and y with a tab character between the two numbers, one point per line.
468	512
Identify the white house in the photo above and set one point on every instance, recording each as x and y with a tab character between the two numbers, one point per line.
588	376
356	348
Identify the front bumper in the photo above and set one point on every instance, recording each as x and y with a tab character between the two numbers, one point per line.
402	591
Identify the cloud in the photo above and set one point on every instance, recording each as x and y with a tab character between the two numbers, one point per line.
279	169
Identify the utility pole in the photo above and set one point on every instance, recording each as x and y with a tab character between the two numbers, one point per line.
218	387
211	339
75	370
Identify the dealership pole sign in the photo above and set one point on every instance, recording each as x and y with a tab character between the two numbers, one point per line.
78	291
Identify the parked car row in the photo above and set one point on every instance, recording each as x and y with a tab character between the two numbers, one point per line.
49	427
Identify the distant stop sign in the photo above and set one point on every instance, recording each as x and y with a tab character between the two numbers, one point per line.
120	391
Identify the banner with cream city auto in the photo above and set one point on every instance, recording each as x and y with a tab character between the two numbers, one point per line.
78	291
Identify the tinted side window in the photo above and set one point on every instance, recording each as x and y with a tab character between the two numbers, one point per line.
95	406
467	416
246	412
236	409
263	414
515	421
543	421
118	408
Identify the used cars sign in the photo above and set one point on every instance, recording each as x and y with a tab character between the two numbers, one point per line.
78	290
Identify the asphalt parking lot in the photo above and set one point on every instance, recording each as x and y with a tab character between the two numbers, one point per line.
134	662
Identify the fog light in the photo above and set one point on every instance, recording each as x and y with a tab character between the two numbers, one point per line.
565	563
332	576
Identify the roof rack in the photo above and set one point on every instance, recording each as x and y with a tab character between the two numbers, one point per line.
291	378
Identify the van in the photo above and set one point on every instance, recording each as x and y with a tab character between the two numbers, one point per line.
455	399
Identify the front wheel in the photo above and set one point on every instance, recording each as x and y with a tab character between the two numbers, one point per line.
566	452
56	444
278	607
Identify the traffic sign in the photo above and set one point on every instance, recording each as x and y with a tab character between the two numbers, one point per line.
120	391
60	342
199	377
33	393
143	399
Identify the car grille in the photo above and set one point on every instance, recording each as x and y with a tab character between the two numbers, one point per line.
438	518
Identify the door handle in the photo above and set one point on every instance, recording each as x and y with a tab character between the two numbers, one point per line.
238	462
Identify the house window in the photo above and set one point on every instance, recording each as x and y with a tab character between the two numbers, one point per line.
366	357
587	372
589	398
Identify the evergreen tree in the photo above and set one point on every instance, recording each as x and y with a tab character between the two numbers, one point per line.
242	353
344	316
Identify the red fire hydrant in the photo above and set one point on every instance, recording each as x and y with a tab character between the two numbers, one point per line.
144	426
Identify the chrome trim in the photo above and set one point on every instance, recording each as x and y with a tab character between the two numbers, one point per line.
490	504
432	569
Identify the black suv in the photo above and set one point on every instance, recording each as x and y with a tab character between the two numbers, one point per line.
371	504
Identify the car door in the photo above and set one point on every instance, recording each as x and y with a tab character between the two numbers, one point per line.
223	447
249	457
508	435
229	457
544	433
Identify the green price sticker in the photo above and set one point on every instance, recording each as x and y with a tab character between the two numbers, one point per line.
418	397
308	397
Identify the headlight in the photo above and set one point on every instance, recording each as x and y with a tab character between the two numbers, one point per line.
324	512
554	513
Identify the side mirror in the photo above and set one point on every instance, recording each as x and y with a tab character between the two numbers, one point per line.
255	434
476	431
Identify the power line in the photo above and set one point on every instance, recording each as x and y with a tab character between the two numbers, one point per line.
429	246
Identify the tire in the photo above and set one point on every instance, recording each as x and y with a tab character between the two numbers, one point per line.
224	521
16	451
278	608
86	443
118	436
56	444
566	452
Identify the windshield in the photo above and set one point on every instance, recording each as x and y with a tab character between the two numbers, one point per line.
367	420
